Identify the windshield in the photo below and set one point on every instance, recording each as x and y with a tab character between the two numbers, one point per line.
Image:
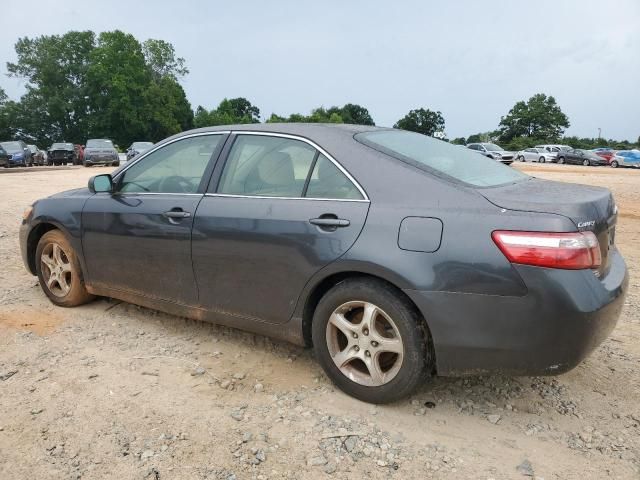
493	147
12	146
141	145
99	144
441	158
62	146
33	148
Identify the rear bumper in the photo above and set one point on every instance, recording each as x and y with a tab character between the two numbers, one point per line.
564	316
100	161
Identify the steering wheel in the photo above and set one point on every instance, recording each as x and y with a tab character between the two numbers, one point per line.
175	184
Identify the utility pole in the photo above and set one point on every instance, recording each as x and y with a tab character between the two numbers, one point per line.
599	130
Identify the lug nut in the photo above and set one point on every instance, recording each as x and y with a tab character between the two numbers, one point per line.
365	331
356	348
367	353
355	335
374	344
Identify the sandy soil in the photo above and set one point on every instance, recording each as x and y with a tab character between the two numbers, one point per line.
111	390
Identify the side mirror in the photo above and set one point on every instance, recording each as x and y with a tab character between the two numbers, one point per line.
101	183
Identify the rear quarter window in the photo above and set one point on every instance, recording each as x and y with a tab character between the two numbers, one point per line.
441	158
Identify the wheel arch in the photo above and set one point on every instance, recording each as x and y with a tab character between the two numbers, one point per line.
328	282
35	234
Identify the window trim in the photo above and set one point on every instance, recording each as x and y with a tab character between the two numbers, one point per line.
205	176
237	133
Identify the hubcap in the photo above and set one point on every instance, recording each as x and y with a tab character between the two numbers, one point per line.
56	269
364	343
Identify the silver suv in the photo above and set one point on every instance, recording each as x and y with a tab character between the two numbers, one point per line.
494	151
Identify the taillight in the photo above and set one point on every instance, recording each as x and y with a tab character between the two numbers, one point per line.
572	251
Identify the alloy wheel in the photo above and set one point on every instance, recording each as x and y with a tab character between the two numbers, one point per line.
56	269
364	343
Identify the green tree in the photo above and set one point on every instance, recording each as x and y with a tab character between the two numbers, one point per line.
56	105
160	57
459	141
423	121
229	112
118	79
540	117
356	114
349	113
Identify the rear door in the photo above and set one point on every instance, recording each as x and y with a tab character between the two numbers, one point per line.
277	212
138	239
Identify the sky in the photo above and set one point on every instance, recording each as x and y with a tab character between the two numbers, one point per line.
471	60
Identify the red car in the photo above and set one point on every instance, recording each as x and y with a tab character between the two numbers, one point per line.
606	153
79	149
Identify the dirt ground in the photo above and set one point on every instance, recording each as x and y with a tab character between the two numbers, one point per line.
111	390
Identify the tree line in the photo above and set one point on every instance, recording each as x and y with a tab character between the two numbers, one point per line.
83	85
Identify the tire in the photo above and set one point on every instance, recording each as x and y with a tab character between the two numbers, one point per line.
541	160
521	158
69	290
115	164
561	160
85	164
614	164
407	332
586	163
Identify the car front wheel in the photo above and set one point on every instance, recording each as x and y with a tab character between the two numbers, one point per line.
586	162
614	164
370	341
59	271
541	160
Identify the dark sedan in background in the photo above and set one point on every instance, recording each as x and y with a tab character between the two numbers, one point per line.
100	151
393	254
581	157
19	153
61	154
138	148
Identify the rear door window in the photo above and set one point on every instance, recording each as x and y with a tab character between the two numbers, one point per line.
270	166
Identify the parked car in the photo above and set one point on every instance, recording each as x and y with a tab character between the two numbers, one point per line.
19	153
455	265
4	157
554	148
605	152
138	148
37	156
536	155
100	151
61	154
626	158
494	151
79	150
580	157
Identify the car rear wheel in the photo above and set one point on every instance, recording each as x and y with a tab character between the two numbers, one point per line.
59	271
561	160
370	342
586	162
541	160
614	163
521	158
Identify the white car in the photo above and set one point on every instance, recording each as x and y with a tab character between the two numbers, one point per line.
555	148
536	154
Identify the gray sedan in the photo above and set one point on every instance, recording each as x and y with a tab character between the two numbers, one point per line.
394	255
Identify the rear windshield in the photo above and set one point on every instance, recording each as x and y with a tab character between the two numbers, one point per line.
142	145
441	158
62	146
99	144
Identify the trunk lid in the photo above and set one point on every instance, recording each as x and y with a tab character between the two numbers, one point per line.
590	208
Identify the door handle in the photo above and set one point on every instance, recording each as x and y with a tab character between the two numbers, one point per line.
176	214
330	222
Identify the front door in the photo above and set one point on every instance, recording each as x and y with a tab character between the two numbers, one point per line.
281	211
138	239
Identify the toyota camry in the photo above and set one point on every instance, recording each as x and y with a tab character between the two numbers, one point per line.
395	256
